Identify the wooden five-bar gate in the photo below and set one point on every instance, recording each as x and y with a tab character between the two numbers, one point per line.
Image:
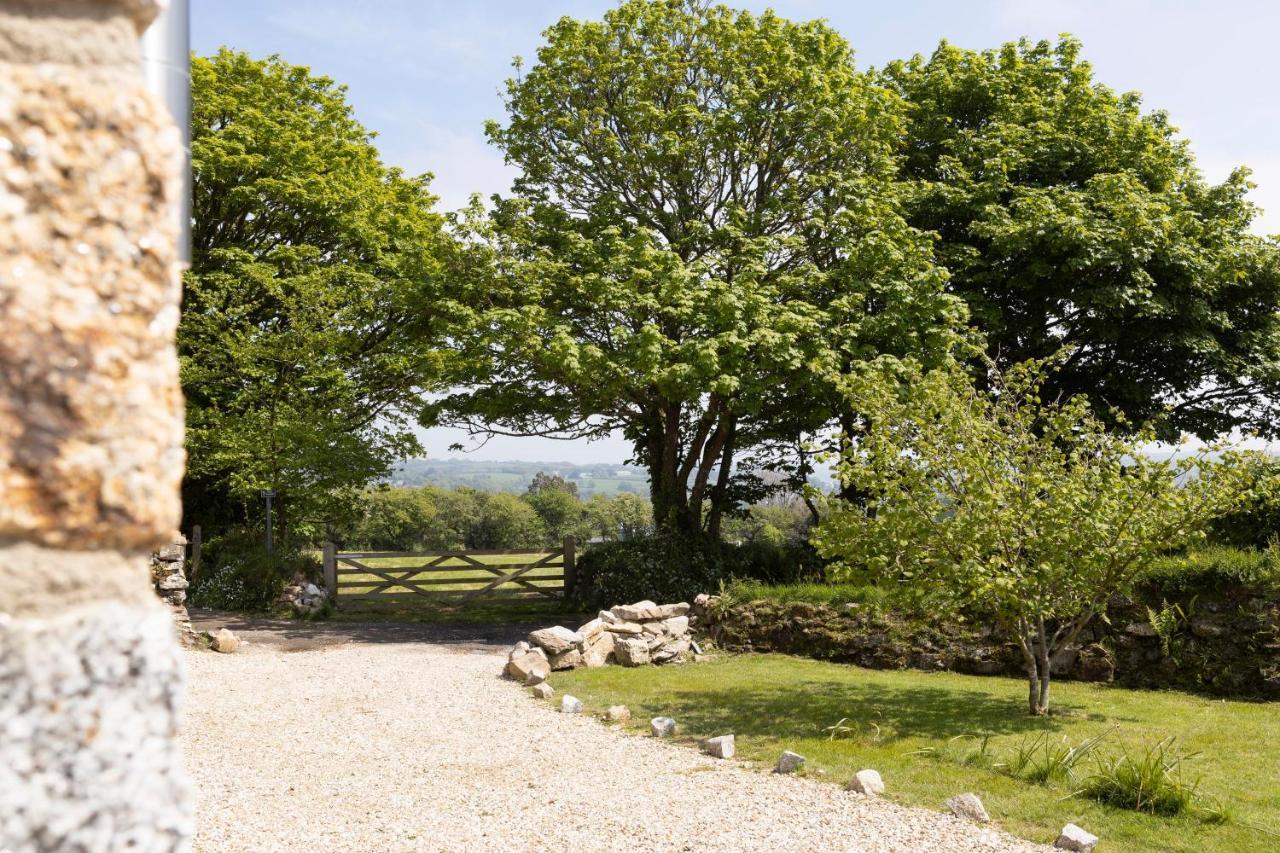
371	579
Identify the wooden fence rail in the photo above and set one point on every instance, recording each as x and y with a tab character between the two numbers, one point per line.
362	579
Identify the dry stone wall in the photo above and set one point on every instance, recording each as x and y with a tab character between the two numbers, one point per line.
90	434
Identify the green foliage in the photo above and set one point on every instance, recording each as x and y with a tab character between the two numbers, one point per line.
663	568
400	519
1068	217
506	522
237	573
1152	782
702	237
1256	524
1043	759
742	590
316	299
1214	569
560	511
624	516
1026	510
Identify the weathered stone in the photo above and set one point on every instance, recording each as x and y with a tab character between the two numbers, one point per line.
631	652
867	782
789	762
676	626
174	552
313	590
542	690
969	807
566	660
520	649
91	436
1140	629
225	641
598	651
667	611
528	668
1074	838
173	582
607	617
591	629
617	713
653	629
570	705
671	651
654	641
662	727
90	408
624	628
641	611
719	747
556	639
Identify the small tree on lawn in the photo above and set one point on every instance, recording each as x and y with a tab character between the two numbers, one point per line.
1024	510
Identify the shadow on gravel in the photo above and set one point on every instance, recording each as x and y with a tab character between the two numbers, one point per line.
296	636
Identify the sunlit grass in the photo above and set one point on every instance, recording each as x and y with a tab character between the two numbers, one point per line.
932	735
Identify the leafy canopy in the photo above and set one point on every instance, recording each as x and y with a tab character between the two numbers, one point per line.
1068	217
316	300
702	236
1010	505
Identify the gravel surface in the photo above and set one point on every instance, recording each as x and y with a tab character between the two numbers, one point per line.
415	746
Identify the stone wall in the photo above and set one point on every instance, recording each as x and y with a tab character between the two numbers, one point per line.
1225	644
90	434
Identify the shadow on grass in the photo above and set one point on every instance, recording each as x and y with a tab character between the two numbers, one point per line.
808	708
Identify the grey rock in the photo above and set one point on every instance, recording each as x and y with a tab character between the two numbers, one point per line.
670	610
867	782
591	629
719	747
676	626
529	669
566	660
518	650
556	639
1074	838
607	617
313	590
570	705
617	713
598	651
172	553
672	651
543	691
662	727
225	641
641	611
789	762
624	627
969	807
631	652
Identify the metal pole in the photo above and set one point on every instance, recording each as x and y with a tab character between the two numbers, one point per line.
166	62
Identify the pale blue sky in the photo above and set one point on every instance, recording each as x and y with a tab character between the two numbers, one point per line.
425	74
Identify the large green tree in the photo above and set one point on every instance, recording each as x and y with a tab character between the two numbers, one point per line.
702	236
315	299
1067	216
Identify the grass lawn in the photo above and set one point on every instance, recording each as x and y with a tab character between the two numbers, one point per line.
514	603
776	702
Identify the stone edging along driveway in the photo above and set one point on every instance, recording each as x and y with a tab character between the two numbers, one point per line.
351	743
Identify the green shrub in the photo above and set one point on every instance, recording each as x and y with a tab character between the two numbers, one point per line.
784	562
238	575
662	568
1153	782
1212	569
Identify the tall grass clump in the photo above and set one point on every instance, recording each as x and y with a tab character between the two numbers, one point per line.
1152	782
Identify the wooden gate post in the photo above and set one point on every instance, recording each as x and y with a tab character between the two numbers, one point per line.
570	569
331	572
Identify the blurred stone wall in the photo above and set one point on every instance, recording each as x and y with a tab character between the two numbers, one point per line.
90	434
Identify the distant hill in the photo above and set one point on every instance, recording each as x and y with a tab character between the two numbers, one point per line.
601	479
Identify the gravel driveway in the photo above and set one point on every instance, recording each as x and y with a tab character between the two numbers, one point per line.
351	743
